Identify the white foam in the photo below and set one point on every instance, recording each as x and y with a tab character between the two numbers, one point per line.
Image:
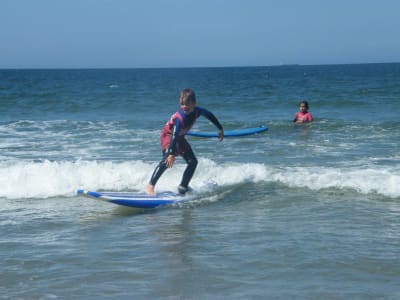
364	180
22	179
48	179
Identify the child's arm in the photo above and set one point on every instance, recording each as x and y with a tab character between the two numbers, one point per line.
213	119
170	160
221	135
175	133
295	117
170	151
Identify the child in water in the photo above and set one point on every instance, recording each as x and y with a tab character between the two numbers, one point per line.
303	116
173	142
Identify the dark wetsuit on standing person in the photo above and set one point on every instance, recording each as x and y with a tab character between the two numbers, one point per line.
173	142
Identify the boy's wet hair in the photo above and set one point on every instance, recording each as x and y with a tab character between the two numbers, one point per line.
187	95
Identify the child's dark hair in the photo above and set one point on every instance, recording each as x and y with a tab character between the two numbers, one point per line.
305	103
187	95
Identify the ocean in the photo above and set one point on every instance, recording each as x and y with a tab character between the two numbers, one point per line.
300	212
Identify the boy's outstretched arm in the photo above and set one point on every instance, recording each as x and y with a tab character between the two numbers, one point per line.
221	135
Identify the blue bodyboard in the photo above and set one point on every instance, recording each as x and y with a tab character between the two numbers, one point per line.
138	200
230	133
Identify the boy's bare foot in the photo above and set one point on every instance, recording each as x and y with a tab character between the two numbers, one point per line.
150	189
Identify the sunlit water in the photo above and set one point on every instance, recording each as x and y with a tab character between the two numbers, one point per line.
307	212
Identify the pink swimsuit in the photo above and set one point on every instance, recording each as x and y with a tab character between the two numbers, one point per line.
302	117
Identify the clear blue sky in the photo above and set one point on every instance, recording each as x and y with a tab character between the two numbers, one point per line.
184	33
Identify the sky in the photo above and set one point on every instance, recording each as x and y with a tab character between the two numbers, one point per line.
196	33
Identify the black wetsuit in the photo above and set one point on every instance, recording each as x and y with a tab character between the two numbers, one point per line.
173	142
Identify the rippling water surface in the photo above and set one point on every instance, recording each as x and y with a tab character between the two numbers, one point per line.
298	212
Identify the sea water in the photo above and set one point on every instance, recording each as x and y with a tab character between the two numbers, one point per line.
302	211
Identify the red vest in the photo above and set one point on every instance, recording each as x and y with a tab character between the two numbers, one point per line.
166	132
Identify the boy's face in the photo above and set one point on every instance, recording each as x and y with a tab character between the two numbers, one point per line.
187	106
303	107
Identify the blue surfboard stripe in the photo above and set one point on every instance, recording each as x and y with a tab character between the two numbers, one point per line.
124	195
143	203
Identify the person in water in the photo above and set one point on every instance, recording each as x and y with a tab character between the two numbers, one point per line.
303	116
173	142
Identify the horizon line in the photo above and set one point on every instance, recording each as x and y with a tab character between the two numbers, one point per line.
196	67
